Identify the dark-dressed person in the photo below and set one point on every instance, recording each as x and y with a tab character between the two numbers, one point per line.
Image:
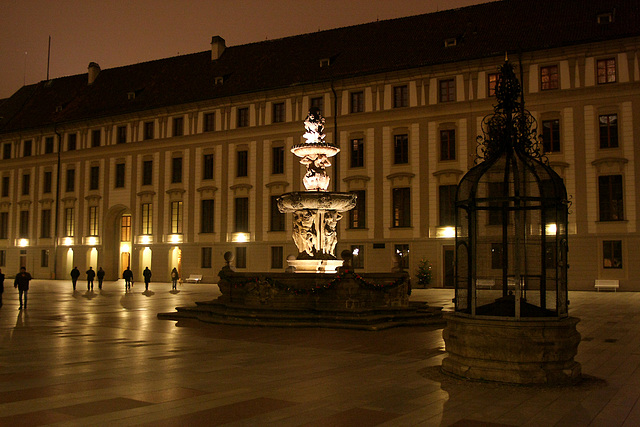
127	275
174	278
1	286
147	278
22	283
75	273
90	276
100	277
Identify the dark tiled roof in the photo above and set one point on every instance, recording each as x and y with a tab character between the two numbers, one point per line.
484	30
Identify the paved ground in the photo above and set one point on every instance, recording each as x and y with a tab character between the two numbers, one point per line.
103	358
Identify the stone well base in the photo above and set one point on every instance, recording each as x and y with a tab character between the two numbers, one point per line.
506	350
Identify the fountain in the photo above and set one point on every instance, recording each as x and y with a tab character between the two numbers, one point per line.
316	212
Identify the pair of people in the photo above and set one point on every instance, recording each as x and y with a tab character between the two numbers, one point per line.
127	275
91	274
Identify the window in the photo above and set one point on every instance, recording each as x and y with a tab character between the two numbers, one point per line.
48	145
4	225
121	134
317	102
209	124
125	228
356	104
178	126
69	221
608	131
27	148
496	195
276	217
243	160
6	151
403	251
206	216
147	172
358	256
277	160
357	152
277	257
47	182
241	257
45	223
612	253
243	117
176	170
400	96
242	214
207	166
205	257
149	130
610	195
447	90
147	218
606	71
551	136
120	175
94	178
549	77
26	184
71	180
357	214
401	207
95	138
3	258
44	258
6	181
400	149
492	80
176	217
278	112
93	221
72	139
446	204
496	256
448	144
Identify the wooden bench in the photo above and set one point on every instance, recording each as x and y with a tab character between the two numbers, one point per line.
195	278
485	283
607	284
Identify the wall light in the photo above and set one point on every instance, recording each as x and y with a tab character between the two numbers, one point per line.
240	237
23	242
551	229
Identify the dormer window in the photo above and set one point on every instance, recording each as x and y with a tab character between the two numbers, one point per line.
325	62
131	96
219	80
58	108
450	42
605	18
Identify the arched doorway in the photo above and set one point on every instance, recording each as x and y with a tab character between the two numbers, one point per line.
145	258
68	262
92	258
117	242
175	260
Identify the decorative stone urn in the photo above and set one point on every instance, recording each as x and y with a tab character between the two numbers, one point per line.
316	212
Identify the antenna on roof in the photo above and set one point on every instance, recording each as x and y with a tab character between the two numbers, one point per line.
48	57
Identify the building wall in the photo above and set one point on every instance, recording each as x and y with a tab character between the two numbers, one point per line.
577	104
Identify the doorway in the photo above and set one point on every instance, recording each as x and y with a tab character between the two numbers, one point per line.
448	277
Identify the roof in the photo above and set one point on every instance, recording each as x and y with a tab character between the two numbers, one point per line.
480	31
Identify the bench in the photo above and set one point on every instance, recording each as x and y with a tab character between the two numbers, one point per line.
195	278
607	284
485	283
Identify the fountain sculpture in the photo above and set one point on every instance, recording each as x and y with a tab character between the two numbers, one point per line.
316	212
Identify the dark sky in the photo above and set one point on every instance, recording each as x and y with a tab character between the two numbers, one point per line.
121	32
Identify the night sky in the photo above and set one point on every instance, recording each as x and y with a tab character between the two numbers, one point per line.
121	32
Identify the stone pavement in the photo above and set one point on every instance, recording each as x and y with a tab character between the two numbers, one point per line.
103	358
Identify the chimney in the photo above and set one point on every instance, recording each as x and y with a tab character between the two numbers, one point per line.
217	47
94	70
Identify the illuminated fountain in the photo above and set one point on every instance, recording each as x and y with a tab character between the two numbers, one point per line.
316	212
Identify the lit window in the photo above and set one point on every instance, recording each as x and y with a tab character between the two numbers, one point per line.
493	83
69	222
401	207
125	228
93	220
612	253
147	218
549	77
357	152
176	217
357	214
606	70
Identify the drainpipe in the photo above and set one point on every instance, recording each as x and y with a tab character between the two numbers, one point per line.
57	209
336	184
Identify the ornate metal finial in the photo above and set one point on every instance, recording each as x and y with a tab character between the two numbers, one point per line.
510	126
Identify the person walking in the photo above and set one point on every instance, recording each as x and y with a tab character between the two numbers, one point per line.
174	278
127	275
147	278
90	276
22	283
75	273
100	277
1	286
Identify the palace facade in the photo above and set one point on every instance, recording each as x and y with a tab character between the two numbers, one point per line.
171	163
